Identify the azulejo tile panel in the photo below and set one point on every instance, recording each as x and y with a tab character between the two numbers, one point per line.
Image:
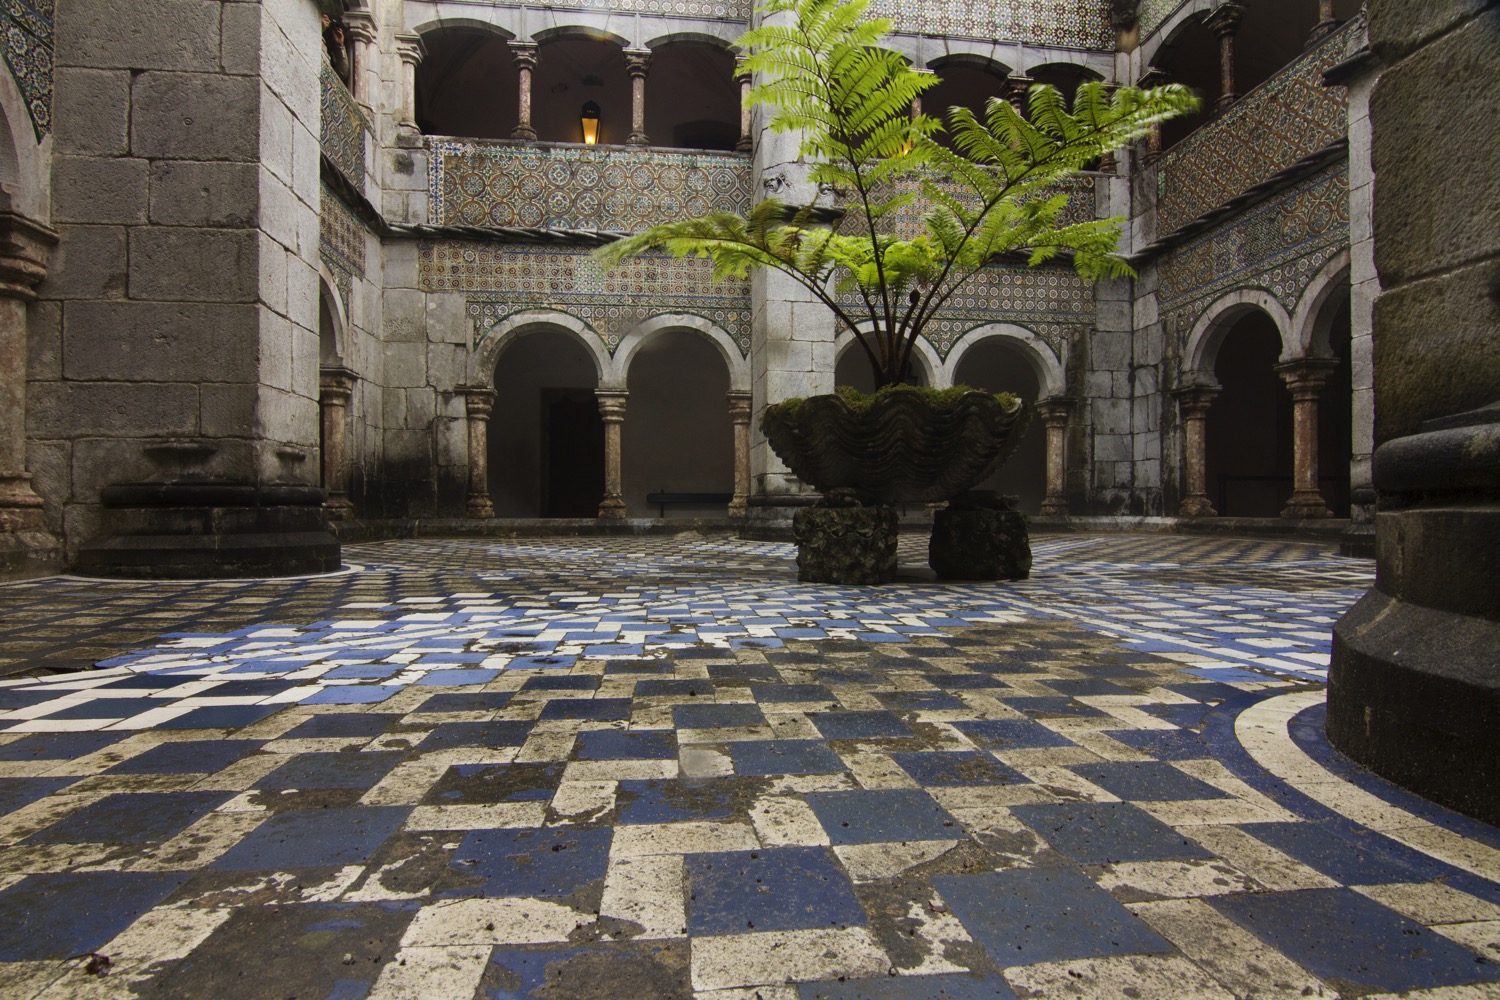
1152	14
907	223
714	10
1290	116
26	33
341	243
1074	24
581	187
500	280
1278	245
343	129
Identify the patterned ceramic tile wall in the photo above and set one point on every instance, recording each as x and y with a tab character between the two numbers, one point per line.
713	10
26	26
907	222
1073	24
341	243
581	187
1152	14
1290	116
499	280
343	129
1279	245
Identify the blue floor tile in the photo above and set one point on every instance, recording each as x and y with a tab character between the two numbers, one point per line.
57	746
1351	940
920	701
757	758
466	701
1164	744
482	784
498	733
106	708
221	717
718	716
1012	734
332	770
550	862
858	725
563	682
676	687
1023	916
776	889
965	767
1047	707
1097	833
952	986
617	744
457	678
131	818
352	694
191	757
870	817
1351	860
18	792
53	917
596	709
673	801
250	689
769	694
314	838
1147	781
356	725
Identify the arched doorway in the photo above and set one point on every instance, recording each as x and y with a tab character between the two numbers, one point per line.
467	84
677	436
573	70
1001	364
546	436
692	101
1249	431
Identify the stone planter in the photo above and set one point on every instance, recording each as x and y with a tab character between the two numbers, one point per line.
980	536
849	545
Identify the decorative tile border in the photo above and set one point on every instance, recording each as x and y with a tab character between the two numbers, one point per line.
1073	24
1290	116
343	129
580	187
26	34
712	10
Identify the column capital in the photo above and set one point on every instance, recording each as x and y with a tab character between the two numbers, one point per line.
1015	89
1196	398
637	61
410	48
337	382
479	402
24	247
1152	77
525	54
739	404
1055	410
1306	375
1225	18
359	25
612	404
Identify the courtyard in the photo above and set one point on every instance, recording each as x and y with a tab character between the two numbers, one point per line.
661	767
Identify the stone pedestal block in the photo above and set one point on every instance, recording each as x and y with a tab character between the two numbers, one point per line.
980	538
208	530
849	545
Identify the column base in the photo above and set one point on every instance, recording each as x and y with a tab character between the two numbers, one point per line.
612	509
980	538
479	507
846	545
1054	507
523	132
739	506
339	508
209	530
1197	505
638	139
1306	504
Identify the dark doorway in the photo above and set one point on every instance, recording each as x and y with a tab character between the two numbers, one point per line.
1250	425
573	456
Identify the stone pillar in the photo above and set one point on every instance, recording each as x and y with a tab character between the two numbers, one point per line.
637	62
24	246
1193	402
360	27
1305	379
411	50
746	143
1326	23
739	416
1224	22
335	388
612	408
478	403
1054	413
1153	77
1015	89
525	53
1108	164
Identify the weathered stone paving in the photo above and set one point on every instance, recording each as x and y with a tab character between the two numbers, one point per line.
660	767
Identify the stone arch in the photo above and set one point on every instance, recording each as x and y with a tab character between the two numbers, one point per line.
734	361
986	61
333	303
1311	321
1168	30
24	160
441	23
507	330
923	354
561	32
722	36
1208	333
1046	365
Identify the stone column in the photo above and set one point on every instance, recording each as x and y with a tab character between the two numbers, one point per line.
746	143
1305	379
1054	413
478	403
1193	402
525	53
1153	77
637	62
739	416
1015	91
1326	22
1224	22
612	408
1107	163
360	27
411	50
24	246
335	388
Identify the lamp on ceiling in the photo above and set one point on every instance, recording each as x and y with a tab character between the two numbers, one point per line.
589	119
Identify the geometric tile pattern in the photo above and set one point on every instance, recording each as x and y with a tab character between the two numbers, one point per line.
1279	245
580	187
1151	14
717	10
342	129
26	42
1290	116
341	242
1076	24
1037	793
500	279
1046	798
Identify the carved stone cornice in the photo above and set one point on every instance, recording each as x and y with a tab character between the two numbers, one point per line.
24	247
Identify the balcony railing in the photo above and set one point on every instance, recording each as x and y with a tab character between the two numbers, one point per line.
1285	119
616	188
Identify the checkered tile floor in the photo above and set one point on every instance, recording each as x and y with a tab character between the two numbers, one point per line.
660	767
